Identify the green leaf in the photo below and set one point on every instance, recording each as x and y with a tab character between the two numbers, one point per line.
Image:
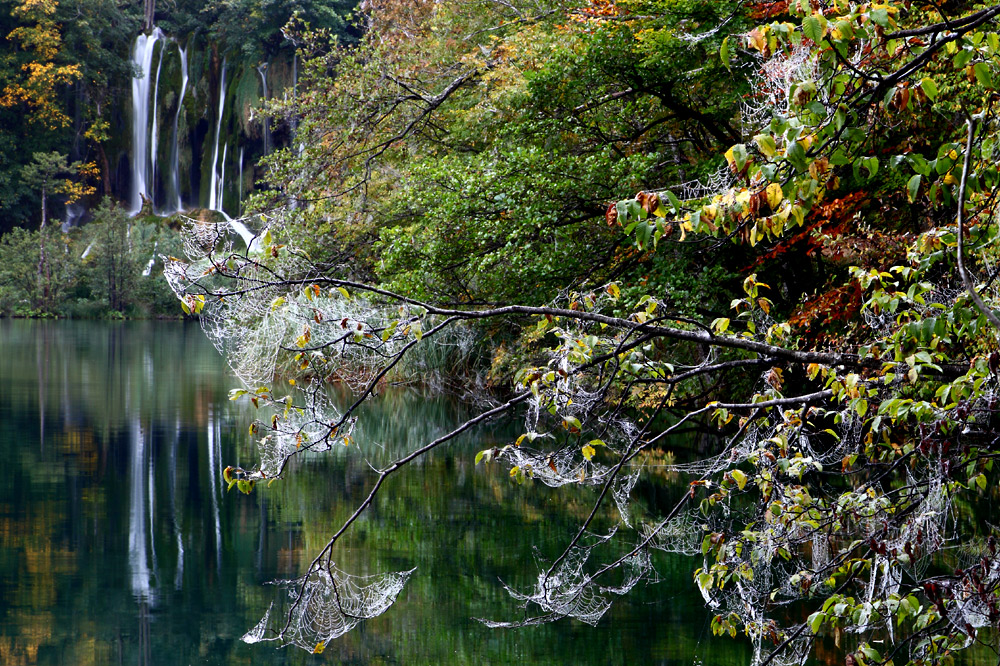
912	187
740	155
872	165
983	75
725	54
796	154
963	58
765	142
344	293
929	87
814	27
674	202
880	16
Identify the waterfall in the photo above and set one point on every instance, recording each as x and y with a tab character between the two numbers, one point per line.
74	213
240	210
142	60
175	159
249	237
154	130
262	70
217	180
152	261
222	177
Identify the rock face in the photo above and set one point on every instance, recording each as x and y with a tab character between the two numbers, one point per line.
188	137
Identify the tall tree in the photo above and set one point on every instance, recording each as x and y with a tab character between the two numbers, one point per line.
44	69
51	175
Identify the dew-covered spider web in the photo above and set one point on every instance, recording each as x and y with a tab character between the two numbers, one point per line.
568	591
324	605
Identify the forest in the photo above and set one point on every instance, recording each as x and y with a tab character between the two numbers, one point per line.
752	246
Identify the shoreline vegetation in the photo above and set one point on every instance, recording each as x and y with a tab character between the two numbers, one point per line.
109	268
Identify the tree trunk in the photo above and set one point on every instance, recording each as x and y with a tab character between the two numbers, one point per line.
149	11
105	169
43	265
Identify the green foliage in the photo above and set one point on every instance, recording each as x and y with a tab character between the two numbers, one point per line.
96	271
510	154
822	299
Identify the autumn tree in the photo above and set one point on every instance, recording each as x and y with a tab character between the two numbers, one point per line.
854	410
51	175
43	71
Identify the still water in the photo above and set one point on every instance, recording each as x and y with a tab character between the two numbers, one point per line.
120	545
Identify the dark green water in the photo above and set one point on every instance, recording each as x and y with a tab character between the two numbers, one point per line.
119	544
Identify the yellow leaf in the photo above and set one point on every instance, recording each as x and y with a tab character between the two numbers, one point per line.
740	478
319	648
774	195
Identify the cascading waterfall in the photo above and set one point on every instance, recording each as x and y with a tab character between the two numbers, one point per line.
142	59
154	129
159	173
222	175
262	70
241	181
217	181
175	158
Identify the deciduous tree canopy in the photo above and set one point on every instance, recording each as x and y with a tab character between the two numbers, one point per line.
772	225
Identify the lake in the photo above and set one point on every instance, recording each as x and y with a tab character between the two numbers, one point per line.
120	545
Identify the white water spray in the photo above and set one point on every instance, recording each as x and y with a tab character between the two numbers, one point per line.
154	129
217	181
175	159
142	60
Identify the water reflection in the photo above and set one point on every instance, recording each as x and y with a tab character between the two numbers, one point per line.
118	543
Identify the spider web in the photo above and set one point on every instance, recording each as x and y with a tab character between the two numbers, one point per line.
567	590
324	605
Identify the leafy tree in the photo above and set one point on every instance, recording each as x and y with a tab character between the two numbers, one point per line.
852	385
44	69
254	28
477	144
50	174
116	266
